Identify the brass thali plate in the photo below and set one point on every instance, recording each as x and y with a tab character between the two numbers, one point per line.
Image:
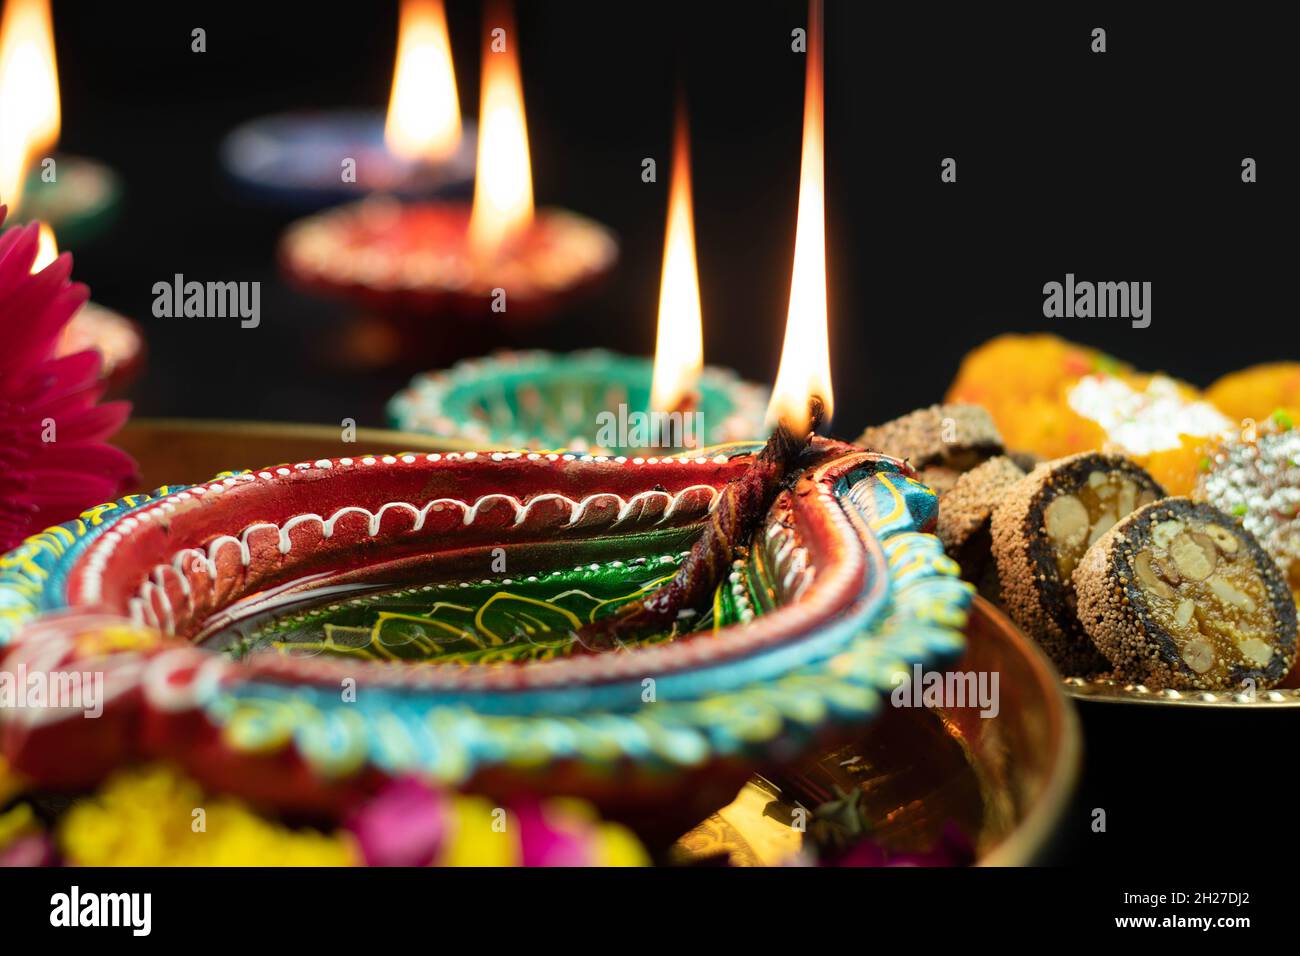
1004	781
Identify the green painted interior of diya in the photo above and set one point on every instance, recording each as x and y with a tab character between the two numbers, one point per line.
533	617
579	400
511	620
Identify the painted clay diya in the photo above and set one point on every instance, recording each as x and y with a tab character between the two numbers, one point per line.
297	158
299	634
415	258
542	399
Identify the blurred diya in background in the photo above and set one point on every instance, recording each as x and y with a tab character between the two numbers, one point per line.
77	196
498	256
590	401
420	148
118	340
595	400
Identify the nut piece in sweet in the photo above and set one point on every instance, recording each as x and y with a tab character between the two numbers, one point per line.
1230	595
1164	532
1199	655
1142	566
1191	559
1222	538
1127	497
1066	520
1256	651
1103	524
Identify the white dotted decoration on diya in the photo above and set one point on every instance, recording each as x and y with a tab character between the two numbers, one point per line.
858	587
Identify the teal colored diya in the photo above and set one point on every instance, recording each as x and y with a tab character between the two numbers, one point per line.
78	204
301	634
579	400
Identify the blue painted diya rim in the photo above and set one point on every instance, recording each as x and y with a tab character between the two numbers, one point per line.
296	158
844	590
542	400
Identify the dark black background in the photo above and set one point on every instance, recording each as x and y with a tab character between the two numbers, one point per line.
1122	166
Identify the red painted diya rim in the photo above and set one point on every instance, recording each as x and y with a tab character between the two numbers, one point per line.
410	256
177	562
840	592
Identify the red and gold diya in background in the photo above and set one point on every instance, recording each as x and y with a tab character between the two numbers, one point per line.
498	257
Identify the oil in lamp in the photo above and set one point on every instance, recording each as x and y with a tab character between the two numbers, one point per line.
74	194
541	399
421	147
497	257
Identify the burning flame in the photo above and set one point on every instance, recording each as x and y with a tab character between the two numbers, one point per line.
423	110
805	370
29	92
679	344
47	249
503	182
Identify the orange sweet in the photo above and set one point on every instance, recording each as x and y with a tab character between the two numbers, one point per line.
1022	380
1257	392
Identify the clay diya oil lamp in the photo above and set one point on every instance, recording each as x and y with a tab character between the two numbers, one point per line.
596	400
589	401
449	590
74	194
497	258
419	149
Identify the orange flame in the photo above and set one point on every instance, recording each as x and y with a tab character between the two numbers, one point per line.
805	370
679	343
29	93
503	182
47	249
423	110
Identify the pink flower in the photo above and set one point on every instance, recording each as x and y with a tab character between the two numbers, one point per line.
54	462
32	850
550	838
411	823
406	824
